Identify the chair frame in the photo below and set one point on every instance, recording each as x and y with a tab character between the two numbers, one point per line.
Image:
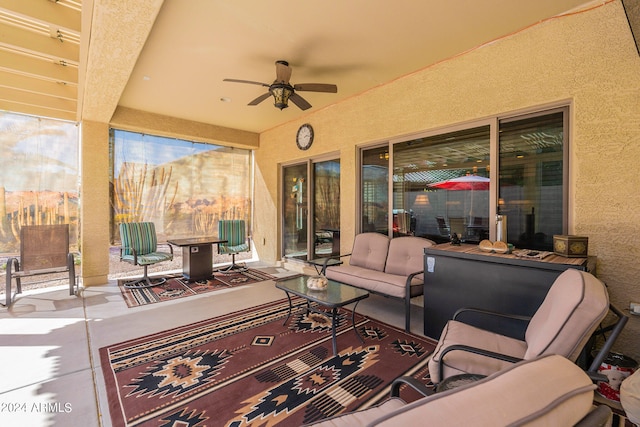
41	260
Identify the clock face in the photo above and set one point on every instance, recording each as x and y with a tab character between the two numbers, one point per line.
304	138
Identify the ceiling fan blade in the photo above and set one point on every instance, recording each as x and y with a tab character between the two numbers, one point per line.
283	71
259	99
316	87
299	101
246	81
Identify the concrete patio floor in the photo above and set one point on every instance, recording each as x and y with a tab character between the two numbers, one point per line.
49	343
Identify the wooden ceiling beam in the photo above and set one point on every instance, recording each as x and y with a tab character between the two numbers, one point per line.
29	41
30	66
46	12
29	98
36	110
37	85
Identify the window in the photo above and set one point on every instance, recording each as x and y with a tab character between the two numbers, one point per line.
184	187
532	179
375	190
40	176
442	183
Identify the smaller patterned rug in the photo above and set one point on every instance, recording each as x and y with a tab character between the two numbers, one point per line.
176	287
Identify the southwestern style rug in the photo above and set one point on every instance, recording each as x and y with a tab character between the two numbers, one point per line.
176	287
257	367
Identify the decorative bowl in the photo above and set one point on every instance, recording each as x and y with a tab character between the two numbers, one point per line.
317	283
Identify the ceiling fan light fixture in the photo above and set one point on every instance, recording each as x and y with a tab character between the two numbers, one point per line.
281	93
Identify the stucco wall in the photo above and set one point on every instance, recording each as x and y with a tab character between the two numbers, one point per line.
94	193
587	59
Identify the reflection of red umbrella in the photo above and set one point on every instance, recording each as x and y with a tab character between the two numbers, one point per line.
467	182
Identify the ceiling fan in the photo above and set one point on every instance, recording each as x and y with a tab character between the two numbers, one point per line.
283	91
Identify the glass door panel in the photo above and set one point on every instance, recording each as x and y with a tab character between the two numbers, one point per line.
326	208
532	179
375	190
295	211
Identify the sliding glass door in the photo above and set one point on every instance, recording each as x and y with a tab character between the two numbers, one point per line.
326	208
295	211
311	209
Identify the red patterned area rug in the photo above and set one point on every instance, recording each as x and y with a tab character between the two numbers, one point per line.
176	287
257	367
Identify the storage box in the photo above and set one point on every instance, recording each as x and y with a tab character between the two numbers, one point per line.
571	246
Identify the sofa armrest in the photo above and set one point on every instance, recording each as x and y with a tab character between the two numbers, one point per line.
323	271
411	382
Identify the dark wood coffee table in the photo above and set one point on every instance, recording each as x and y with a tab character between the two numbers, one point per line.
336	295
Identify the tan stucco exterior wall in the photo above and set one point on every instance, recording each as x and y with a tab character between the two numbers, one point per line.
94	193
588	60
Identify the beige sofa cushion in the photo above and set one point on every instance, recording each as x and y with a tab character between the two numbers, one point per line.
406	255
550	391
370	251
372	280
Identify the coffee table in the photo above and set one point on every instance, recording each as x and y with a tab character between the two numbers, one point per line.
336	295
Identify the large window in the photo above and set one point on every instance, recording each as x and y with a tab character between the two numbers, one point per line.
375	190
184	187
532	179
442	183
40	176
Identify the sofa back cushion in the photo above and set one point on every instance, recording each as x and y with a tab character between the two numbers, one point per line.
370	251
573	308
549	391
406	255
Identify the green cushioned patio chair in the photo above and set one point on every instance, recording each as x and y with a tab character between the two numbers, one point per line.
140	247
234	232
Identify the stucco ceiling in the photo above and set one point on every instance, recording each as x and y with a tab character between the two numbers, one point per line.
170	57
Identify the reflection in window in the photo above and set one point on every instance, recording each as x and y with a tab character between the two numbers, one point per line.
40	176
532	179
375	190
184	187
441	186
326	208
295	211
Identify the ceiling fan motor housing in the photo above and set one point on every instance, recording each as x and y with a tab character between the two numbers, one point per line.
281	93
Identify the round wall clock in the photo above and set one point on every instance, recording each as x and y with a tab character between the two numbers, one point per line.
304	137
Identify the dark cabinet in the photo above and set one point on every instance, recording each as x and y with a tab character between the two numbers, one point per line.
463	276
